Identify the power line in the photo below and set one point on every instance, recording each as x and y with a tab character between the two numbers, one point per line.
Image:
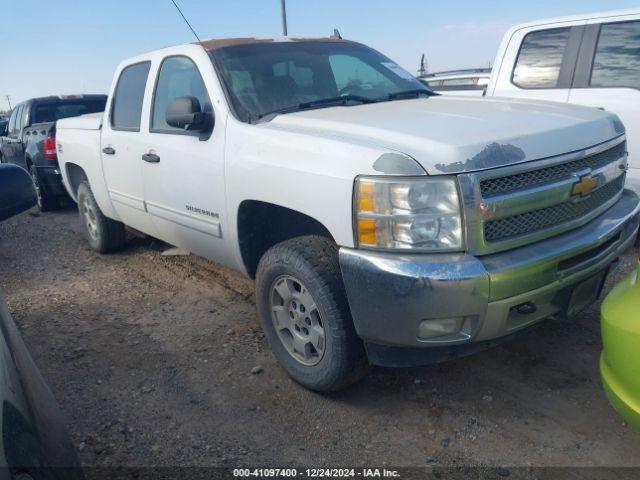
186	21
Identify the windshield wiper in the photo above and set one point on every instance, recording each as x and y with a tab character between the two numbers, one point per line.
323	102
410	93
341	100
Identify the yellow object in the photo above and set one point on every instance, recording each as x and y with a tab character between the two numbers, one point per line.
365	197
367	231
620	360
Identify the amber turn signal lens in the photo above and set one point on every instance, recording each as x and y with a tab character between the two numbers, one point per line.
366	231
365	197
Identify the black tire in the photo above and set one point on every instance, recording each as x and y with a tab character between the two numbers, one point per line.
103	234
46	203
314	261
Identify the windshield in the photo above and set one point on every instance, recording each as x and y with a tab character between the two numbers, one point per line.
50	112
265	78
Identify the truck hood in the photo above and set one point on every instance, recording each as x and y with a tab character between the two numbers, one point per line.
454	135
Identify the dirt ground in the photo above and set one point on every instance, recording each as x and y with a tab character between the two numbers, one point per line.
150	358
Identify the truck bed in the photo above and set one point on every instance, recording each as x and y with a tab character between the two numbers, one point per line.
91	121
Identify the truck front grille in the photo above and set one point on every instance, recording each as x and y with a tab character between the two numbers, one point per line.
516	205
522	224
534	178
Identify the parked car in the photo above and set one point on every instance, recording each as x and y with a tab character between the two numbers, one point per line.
35	443
620	360
458	82
591	60
383	224
29	140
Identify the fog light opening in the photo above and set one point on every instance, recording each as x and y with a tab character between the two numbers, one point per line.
527	308
439	327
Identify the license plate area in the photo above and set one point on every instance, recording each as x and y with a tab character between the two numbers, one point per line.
586	293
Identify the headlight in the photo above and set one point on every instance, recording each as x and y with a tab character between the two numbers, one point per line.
408	213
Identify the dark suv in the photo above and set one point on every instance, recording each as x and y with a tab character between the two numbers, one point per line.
29	140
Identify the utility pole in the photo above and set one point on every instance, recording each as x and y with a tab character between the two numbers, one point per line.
424	69
9	102
283	8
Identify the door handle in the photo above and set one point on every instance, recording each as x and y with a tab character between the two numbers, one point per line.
108	151
151	158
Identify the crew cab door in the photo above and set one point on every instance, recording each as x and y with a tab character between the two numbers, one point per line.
608	76
184	171
538	63
122	145
12	144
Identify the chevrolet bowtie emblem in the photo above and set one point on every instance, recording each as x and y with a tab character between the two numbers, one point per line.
586	185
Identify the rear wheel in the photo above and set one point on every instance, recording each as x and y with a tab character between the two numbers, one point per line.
46	203
305	314
103	234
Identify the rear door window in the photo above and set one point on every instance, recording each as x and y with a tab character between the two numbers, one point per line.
540	58
617	59
126	110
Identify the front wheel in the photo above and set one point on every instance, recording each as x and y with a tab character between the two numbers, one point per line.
103	234
305	314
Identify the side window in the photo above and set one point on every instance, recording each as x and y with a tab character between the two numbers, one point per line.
17	121
617	58
12	121
126	109
178	77
25	115
540	58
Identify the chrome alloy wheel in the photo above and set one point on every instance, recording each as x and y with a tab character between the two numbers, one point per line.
90	217
297	321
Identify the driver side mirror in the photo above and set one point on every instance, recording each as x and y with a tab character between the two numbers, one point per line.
4	129
186	113
17	193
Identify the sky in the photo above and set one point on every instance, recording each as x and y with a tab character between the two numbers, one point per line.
73	46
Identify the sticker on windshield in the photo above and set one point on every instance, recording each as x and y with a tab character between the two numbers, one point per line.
398	70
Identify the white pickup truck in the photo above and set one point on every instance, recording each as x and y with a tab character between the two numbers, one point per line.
591	59
383	224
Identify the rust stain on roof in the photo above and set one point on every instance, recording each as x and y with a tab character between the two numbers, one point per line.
214	44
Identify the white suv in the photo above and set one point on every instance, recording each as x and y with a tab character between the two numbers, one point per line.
591	60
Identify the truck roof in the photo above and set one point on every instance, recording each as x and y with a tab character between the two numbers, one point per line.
61	98
582	16
214	44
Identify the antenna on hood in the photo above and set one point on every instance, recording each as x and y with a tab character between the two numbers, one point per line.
186	21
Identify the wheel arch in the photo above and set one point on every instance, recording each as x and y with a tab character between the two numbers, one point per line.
75	175
261	225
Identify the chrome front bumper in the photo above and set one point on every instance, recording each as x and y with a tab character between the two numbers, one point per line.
391	294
